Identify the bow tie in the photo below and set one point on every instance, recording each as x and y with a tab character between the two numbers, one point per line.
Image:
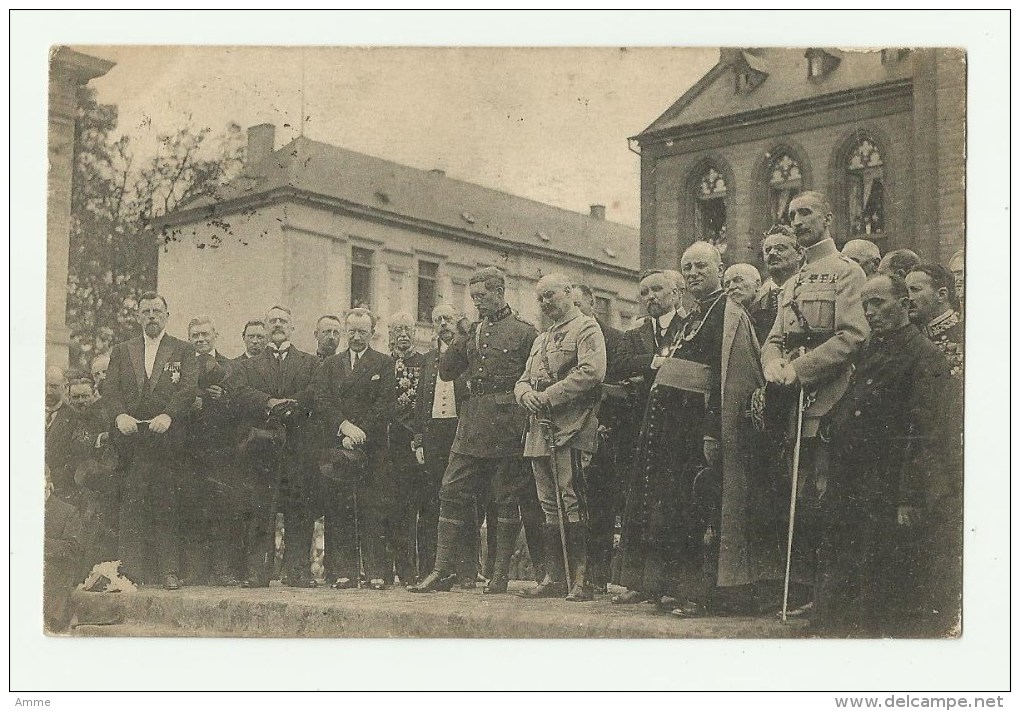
279	353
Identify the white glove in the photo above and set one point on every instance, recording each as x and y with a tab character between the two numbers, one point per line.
160	423
419	454
126	424
349	429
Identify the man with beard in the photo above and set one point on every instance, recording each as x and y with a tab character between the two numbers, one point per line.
782	257
603	477
890	506
437	408
328	331
865	253
492	355
741	282
560	390
272	393
695	522
254	337
214	498
404	467
935	309
150	387
818	332
355	393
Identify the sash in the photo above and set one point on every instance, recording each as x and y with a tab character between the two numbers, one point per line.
686	375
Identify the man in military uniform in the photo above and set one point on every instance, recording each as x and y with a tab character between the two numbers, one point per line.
893	503
935	309
488	442
782	256
819	329
560	390
957	265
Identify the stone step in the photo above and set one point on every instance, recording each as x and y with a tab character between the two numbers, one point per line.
286	612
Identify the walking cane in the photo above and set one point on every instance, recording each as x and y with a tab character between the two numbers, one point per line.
550	437
793	500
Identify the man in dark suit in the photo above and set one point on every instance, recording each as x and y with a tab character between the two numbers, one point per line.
273	391
653	337
354	399
150	387
488	443
254	336
436	410
212	531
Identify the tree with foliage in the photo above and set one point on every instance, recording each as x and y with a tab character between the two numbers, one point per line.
115	197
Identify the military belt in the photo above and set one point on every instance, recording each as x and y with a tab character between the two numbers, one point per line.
490	386
806	339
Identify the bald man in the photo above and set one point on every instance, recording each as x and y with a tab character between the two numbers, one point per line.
865	253
560	390
741	282
693	520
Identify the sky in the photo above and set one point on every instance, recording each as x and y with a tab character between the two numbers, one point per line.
550	124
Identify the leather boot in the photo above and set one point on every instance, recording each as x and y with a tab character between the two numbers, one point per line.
444	575
507	530
577	549
555	582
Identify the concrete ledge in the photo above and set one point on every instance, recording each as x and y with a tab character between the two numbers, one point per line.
285	612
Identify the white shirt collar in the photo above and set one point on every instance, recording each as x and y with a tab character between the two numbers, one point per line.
665	320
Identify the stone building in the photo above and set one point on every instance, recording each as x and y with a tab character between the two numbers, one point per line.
881	132
69	70
321	228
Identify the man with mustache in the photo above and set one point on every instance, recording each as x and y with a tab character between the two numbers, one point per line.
150	388
492	355
741	282
935	309
560	389
328	332
355	393
437	407
406	471
273	392
819	330
782	257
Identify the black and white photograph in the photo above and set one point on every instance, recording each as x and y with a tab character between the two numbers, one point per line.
583	341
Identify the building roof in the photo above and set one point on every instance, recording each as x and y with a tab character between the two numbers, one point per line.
715	94
385	188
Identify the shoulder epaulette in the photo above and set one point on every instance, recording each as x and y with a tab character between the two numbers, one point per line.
526	323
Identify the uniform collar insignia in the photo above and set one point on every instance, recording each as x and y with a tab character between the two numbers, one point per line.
819	250
941	324
501	314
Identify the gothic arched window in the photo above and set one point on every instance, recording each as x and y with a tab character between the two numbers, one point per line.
710	208
785	181
866	193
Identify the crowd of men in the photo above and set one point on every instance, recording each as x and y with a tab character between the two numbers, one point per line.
791	445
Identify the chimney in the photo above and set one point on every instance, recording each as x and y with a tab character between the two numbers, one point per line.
598	212
261	142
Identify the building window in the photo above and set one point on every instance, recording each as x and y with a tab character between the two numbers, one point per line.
603	309
866	190
361	277
785	181
710	210
428	273
820	63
